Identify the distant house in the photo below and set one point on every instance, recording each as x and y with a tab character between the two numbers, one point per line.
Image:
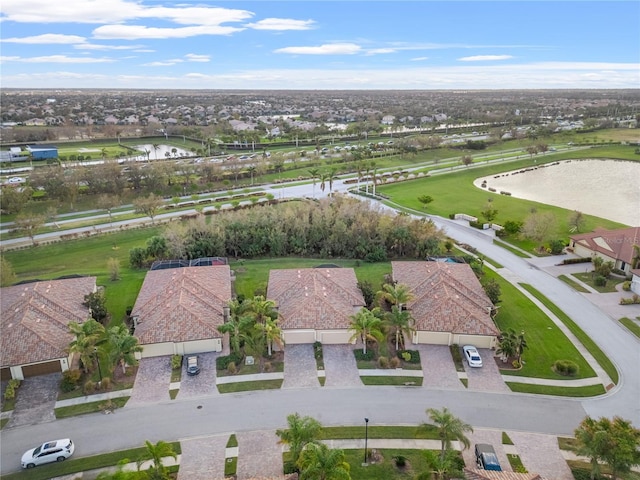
34	320
635	280
315	304
622	246
449	305
388	120
179	310
42	152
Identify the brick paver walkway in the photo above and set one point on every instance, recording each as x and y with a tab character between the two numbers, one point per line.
202	384
438	368
540	454
340	366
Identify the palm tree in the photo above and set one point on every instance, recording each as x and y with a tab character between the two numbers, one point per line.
319	462
441	467
88	335
122	346
366	326
506	348
323	179
155	147
272	333
314	172
517	343
157	452
400	322
394	293
330	178
261	309
592	441
302	431
449	428
252	170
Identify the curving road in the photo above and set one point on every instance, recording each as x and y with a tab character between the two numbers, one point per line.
178	419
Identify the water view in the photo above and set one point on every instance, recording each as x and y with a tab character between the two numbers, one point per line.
162	152
604	188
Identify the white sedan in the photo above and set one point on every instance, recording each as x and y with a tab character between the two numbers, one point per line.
472	356
53	451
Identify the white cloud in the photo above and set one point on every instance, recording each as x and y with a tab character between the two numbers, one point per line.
58	59
327	49
95	46
281	24
484	58
192	57
47	38
133	32
419	59
166	63
378	51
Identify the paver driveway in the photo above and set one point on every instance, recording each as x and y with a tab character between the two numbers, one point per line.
340	366
152	381
259	455
300	366
541	454
438	368
202	384
36	400
492	437
203	458
486	378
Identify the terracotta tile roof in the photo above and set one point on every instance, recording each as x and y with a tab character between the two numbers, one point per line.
182	304
34	319
477	474
617	244
447	297
315	298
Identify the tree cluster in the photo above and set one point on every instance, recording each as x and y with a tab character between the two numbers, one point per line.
337	227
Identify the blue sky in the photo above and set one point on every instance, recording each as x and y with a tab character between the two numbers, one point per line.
319	44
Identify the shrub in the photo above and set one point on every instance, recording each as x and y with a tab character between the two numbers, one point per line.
383	362
317	350
394	362
70	380
231	368
516	364
600	281
400	461
360	355
106	383
410	356
635	300
267	367
556	247
10	392
626	286
222	363
89	387
566	368
570	261
176	362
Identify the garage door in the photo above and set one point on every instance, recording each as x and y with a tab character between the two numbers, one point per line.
41	368
480	341
292	337
432	338
333	338
5	374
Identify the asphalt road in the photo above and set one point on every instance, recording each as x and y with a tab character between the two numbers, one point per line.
176	420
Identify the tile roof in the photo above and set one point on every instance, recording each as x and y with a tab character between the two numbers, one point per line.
617	244
35	317
315	298
477	474
182	304
447	297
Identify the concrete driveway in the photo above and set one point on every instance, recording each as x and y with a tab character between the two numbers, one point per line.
152	381
202	384
541	454
486	378
35	401
492	437
300	366
260	456
340	366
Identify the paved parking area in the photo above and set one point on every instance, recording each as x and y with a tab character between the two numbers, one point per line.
438	368
152	381
488	377
259	456
35	401
203	458
300	366
492	437
340	366
540	454
202	384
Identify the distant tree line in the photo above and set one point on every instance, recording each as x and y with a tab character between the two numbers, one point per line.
335	227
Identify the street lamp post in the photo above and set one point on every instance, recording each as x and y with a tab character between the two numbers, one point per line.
95	352
366	437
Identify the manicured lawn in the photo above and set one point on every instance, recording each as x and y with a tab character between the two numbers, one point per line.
588	391
516	463
387	380
546	342
389	432
246	386
91	407
573	284
252	275
609	287
589	344
386	468
632	325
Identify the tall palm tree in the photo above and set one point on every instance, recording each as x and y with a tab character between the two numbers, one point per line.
319	462
122	346
302	431
252	170
331	176
397	294
155	147
400	322
261	309
449	428
157	452
314	172
88	335
237	323
272	333
366	326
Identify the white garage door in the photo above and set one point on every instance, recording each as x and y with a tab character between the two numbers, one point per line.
432	338
480	341
202	346
292	337
334	337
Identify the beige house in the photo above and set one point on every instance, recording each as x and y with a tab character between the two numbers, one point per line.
622	247
449	305
315	304
34	319
178	310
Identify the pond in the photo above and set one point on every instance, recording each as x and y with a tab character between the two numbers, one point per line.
162	152
605	188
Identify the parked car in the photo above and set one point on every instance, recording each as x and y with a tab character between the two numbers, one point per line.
16	180
486	457
192	365
472	356
53	451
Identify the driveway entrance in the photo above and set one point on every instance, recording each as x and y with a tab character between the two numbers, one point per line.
340	366
300	366
152	381
36	400
487	378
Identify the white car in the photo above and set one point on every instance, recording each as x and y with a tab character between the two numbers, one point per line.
16	180
472	356
53	451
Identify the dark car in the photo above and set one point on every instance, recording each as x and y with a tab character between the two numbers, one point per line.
192	365
486	457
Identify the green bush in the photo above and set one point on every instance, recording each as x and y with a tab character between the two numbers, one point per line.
232	368
361	356
626	286
410	356
176	362
317	350
89	387
600	281
400	461
635	300
556	247
9	392
566	368
395	362
222	363
70	380
383	362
